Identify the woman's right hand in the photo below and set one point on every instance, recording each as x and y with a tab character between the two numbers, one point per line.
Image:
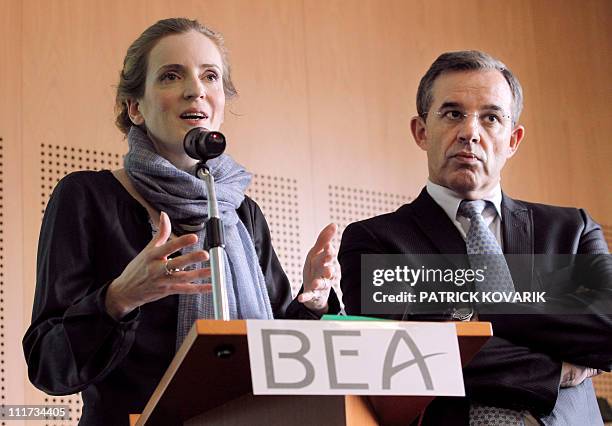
145	279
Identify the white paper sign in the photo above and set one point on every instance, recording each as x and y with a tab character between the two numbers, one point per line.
354	358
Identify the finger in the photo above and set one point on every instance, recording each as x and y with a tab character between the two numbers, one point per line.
188	276
189	288
326	258
174	245
315	294
184	260
307	296
163	230
327	271
593	372
330	249
320	284
325	237
318	287
323	257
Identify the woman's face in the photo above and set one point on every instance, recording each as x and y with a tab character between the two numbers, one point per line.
183	90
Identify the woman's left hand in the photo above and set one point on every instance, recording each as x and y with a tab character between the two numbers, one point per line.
320	268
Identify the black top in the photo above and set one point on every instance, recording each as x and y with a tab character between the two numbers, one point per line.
91	230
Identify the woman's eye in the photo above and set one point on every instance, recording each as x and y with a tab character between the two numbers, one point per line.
211	76
169	76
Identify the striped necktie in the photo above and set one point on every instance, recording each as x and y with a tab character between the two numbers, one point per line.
483	249
485	253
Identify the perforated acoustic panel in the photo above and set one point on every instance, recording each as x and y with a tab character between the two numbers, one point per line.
278	198
58	161
347	205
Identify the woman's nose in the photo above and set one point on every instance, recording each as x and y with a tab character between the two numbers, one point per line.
194	88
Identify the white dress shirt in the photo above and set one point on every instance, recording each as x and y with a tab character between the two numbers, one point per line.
449	200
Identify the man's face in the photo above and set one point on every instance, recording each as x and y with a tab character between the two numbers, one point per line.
468	132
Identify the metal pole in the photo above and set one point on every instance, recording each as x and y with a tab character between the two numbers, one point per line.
216	244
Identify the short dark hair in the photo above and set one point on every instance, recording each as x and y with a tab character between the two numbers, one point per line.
466	60
134	73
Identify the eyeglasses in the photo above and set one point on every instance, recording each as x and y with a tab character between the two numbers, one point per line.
491	119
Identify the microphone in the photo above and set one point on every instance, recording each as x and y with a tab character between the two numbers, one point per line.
203	144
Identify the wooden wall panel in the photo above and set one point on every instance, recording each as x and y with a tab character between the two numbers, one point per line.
570	121
381	49
360	82
268	124
12	258
327	89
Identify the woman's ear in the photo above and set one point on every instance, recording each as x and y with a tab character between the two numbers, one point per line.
133	109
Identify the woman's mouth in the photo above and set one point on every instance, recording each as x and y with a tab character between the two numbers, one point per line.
194	117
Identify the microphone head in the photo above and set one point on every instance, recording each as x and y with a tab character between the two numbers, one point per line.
204	145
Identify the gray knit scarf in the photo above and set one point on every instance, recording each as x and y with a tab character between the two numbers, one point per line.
183	197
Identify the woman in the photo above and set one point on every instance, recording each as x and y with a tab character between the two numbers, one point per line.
120	253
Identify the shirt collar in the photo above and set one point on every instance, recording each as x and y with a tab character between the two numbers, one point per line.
449	200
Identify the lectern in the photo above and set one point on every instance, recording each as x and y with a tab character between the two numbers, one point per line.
209	383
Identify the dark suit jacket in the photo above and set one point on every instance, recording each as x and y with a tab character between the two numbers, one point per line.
520	366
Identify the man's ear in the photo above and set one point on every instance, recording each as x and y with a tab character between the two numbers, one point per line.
517	135
419	132
133	108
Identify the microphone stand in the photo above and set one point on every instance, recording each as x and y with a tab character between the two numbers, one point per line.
215	245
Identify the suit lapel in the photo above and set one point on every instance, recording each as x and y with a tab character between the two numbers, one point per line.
517	231
437	226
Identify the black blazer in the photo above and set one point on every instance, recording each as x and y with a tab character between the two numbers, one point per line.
520	366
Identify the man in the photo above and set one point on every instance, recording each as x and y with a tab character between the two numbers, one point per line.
535	366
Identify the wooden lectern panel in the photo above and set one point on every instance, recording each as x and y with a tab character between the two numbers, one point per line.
210	378
204	374
281	410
